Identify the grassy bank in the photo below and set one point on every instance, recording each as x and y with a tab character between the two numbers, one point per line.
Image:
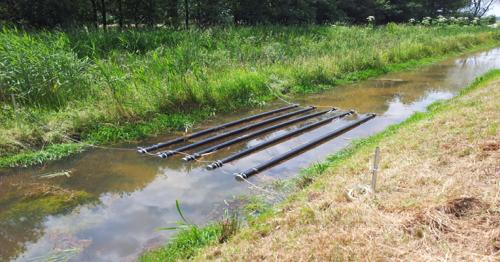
102	88
437	195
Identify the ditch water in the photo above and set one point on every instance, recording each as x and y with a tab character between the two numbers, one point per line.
137	193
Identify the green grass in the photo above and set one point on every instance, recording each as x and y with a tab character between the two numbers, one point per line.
192	238
185	245
258	225
122	86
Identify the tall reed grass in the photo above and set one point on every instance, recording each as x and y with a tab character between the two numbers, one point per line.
74	81
40	70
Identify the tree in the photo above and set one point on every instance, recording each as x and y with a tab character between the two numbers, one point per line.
65	13
327	11
186	13
478	8
211	12
120	14
104	15
172	13
250	12
94	13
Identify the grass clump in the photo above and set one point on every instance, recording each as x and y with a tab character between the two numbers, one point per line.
40	71
186	243
191	238
36	208
107	87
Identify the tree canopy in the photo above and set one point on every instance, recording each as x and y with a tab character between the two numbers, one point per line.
175	13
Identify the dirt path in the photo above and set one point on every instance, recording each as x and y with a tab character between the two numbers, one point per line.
438	199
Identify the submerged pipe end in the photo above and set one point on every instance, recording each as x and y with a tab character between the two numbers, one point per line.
189	158
215	165
141	150
240	176
166	154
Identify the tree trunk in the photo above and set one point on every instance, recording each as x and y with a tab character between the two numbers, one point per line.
94	14
120	13
186	7
173	14
152	14
103	12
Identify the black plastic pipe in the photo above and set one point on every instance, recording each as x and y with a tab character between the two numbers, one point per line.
143	150
252	135
172	152
302	148
250	150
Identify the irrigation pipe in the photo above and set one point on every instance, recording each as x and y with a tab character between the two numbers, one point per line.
238	155
302	148
168	153
252	135
143	150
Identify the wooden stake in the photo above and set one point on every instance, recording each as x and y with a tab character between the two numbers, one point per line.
14	104
376	160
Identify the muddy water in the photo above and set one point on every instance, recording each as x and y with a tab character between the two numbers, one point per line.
136	194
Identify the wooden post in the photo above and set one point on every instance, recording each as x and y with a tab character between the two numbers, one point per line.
186	7
14	105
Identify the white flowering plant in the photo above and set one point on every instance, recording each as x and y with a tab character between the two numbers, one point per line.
427	21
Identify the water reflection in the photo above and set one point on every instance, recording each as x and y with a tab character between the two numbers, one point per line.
137	193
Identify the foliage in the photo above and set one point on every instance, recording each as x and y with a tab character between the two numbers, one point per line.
172	13
40	71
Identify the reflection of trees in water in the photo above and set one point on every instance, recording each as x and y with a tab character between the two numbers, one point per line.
96	173
112	172
24	207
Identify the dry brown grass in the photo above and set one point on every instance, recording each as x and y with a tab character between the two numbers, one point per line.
438	198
